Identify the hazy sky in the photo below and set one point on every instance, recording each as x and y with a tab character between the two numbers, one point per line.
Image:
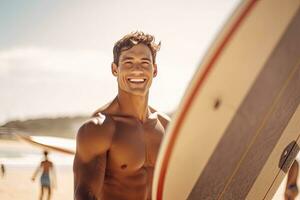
55	55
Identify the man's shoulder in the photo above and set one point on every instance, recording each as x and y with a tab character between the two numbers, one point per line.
47	162
162	117
97	125
95	135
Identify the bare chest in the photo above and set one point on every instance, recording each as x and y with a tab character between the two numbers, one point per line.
135	145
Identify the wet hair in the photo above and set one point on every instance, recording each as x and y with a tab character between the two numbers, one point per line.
132	39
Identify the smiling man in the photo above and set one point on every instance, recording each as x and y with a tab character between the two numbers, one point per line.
117	148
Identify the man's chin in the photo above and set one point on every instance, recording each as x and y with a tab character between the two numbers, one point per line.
137	92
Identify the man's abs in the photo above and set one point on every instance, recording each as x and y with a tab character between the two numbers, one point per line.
134	185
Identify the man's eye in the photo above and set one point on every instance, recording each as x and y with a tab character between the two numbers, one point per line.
128	63
145	63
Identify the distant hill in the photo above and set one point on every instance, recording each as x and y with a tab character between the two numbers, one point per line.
66	127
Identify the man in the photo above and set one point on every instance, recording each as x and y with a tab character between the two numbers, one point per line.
47	168
117	148
291	190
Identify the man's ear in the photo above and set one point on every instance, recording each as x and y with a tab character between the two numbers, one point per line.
114	69
155	70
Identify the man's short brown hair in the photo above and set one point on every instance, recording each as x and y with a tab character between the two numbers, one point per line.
133	39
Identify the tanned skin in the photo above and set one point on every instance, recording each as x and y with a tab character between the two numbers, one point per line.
291	190
117	148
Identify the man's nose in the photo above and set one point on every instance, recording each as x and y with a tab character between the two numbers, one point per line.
138	68
137	71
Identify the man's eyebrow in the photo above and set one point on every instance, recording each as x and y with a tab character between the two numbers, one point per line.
127	58
132	58
148	59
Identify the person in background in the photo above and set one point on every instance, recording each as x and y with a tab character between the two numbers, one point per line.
2	170
48	178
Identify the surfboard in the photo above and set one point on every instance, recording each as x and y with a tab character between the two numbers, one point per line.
236	131
57	144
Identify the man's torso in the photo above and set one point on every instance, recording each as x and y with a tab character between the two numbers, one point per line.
131	158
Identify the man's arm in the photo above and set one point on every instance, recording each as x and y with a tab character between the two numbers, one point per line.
53	176
36	172
93	141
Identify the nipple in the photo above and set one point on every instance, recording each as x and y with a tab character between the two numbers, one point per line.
123	166
217	103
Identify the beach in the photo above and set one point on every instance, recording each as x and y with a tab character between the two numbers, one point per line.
21	159
17	184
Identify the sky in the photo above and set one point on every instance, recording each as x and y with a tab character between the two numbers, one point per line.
55	55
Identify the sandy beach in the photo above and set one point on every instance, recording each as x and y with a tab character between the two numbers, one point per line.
17	184
21	159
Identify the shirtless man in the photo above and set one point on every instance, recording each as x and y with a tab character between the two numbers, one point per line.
46	167
117	148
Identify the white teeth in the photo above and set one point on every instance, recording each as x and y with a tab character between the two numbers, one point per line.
136	80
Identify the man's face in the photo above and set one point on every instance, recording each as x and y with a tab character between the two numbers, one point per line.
135	70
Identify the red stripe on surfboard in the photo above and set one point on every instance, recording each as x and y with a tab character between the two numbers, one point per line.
190	100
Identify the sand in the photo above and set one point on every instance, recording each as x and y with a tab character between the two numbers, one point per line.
17	184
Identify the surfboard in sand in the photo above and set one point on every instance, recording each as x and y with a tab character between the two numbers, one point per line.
62	145
236	131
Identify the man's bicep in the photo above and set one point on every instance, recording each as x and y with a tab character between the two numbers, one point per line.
89	177
93	142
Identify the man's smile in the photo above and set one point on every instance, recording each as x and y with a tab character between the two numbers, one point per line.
136	80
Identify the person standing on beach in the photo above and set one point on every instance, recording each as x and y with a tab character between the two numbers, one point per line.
117	148
2	170
47	169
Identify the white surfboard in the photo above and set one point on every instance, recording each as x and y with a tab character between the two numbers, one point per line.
236	131
62	145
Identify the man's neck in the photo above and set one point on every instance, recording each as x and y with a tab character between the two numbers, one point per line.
133	105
